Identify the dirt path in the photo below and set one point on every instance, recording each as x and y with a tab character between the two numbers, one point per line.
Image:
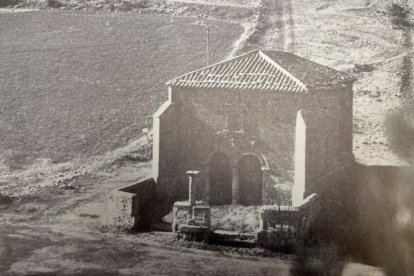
275	28
407	86
279	35
11	10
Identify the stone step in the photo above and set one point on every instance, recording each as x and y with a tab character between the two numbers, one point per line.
161	226
233	238
235	234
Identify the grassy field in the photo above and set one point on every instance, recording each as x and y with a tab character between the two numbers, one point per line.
74	85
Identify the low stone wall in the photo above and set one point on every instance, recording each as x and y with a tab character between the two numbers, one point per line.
130	207
286	225
184	212
192	221
122	210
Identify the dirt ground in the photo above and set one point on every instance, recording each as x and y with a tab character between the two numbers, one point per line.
39	251
62	232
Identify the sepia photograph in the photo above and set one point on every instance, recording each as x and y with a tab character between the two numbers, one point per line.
207	137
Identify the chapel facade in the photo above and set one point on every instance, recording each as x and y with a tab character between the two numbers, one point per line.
265	127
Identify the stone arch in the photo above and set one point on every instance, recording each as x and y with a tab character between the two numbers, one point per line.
257	154
220	179
250	178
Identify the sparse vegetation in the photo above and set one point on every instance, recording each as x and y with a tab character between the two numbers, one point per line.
143	4
6	3
399	15
5	200
321	260
235	218
88	83
359	68
400	131
54	3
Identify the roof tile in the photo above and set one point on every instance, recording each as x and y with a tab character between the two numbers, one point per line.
264	70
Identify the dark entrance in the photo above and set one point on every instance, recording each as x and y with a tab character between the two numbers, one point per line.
220	179
250	180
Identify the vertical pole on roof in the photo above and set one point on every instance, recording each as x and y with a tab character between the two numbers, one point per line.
208	45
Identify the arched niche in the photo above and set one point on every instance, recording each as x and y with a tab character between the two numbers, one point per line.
220	179
250	178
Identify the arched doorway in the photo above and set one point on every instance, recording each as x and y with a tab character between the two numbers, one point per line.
220	179
250	180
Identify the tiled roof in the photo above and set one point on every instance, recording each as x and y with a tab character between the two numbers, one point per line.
264	70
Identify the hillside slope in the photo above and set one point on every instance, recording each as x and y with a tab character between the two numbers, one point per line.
75	85
360	38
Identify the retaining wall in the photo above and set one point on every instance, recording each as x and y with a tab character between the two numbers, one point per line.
130	207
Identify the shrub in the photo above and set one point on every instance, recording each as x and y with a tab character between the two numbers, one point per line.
400	131
399	15
6	3
143	4
363	68
54	3
317	260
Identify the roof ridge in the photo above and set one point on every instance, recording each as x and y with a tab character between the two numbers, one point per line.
281	68
211	65
311	61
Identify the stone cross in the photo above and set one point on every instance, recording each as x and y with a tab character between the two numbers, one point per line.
191	186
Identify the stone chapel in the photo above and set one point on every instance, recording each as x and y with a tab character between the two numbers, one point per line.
265	127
